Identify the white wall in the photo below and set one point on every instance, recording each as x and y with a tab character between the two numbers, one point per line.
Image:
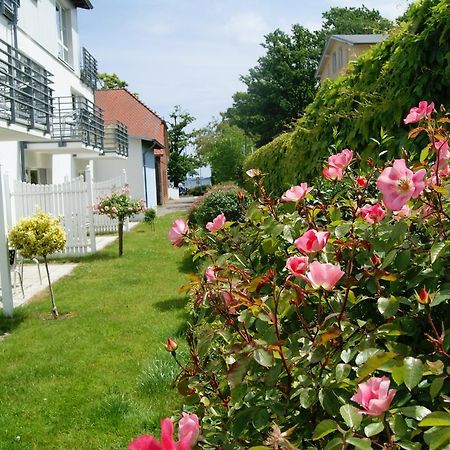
105	169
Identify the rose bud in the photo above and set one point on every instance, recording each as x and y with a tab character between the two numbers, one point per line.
171	345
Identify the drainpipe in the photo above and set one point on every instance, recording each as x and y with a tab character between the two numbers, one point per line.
22	147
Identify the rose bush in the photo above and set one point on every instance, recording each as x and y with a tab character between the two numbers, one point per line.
323	322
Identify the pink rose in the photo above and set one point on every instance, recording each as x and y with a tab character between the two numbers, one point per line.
296	193
188	429
405	211
342	159
312	241
416	114
374	396
187	435
177	232
441	167
373	213
210	274
297	265
324	275
333	173
398	184
217	223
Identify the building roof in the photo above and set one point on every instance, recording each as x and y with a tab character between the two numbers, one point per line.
354	39
85	4
121	105
350	39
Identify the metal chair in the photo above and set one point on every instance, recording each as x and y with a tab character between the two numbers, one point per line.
15	271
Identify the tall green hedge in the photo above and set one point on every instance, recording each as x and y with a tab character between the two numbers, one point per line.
412	64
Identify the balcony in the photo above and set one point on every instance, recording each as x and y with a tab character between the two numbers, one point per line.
88	69
25	96
77	128
116	140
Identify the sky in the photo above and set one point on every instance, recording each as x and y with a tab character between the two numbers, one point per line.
192	52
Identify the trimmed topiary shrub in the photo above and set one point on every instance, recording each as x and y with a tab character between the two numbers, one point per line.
228	199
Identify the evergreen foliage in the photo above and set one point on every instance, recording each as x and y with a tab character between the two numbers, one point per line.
411	65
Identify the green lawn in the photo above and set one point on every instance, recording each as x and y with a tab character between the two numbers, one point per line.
100	376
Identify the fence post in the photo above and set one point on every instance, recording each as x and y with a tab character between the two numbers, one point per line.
7	199
5	274
125	182
90	196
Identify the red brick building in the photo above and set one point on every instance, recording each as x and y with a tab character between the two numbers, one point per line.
148	146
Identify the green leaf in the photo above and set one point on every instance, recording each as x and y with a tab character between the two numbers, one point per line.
374	362
351	416
415	412
260	419
407	445
436	386
436	438
373	429
323	428
260	447
398	425
263	357
308	397
436	249
334	444
237	372
436	419
424	153
403	260
342	230
360	444
342	371
388	306
412	371
269	245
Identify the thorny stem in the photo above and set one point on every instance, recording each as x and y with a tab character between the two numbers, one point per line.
276	298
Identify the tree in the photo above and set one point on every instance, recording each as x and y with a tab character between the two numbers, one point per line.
279	87
111	81
283	82
224	147
39	235
180	162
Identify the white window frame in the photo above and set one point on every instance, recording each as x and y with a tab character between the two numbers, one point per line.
63	33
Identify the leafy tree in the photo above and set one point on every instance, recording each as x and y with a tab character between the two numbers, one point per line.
180	162
111	81
283	82
224	147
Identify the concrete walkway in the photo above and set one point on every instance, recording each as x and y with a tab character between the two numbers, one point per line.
33	284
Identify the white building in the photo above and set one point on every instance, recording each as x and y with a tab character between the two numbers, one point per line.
50	127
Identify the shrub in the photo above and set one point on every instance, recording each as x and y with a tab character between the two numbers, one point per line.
197	190
150	216
323	321
119	205
223	198
39	235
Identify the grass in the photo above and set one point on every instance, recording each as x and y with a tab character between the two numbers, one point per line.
99	375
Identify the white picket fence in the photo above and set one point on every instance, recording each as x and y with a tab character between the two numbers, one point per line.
104	224
71	201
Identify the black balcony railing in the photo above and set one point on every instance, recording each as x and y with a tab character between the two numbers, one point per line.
88	69
116	139
9	9
25	93
77	119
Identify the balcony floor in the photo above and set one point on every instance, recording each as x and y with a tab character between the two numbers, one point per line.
67	148
18	132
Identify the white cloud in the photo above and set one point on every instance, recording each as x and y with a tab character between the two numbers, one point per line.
247	28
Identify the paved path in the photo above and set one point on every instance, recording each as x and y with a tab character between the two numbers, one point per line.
33	284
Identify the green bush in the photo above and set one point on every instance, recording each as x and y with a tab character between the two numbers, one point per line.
198	190
223	198
150	216
314	302
411	65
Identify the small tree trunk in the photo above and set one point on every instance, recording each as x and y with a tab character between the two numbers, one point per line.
52	297
120	237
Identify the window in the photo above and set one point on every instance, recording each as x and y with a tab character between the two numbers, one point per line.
340	59
36	176
63	30
334	62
